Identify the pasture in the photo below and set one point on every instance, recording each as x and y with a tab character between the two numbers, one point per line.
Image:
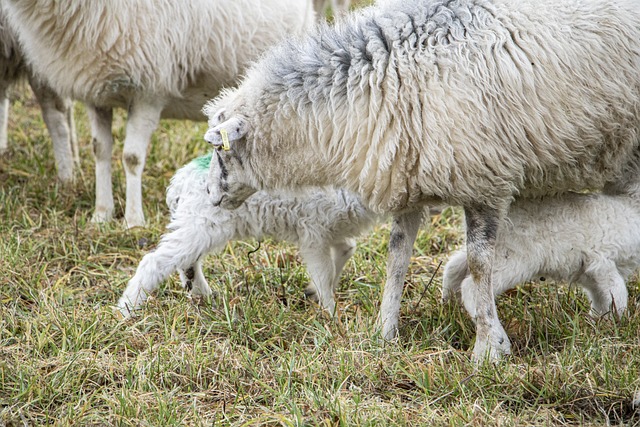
258	353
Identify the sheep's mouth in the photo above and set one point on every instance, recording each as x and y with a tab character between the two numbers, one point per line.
219	201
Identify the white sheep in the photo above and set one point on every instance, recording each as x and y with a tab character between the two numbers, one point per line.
323	223
154	58
56	111
592	240
466	102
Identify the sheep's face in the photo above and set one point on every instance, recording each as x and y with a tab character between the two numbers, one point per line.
227	183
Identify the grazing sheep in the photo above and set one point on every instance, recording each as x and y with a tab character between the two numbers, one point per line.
590	239
154	58
56	112
466	102
322	223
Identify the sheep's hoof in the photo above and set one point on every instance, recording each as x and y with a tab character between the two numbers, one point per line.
311	294
492	348
101	216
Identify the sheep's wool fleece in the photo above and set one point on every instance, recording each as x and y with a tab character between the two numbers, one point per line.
106	52
467	101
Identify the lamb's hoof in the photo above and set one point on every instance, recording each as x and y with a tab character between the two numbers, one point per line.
311	294
388	330
451	295
492	348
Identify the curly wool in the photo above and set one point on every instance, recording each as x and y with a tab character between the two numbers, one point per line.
466	101
323	223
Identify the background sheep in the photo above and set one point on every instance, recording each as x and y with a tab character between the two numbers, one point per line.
154	58
468	102
322	223
56	112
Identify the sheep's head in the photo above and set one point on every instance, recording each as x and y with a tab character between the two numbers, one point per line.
227	184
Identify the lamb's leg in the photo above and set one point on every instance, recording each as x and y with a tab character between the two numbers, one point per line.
482	226
55	112
102	140
321	268
4	116
341	253
193	280
180	249
605	288
455	272
403	235
141	123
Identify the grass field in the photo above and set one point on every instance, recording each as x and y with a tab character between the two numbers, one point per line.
259	353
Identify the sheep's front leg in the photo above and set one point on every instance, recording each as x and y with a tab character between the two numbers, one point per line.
321	268
102	140
193	280
180	249
341	253
4	116
141	123
403	235
56	113
482	226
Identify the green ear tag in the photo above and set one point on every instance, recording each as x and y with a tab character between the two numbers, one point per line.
225	140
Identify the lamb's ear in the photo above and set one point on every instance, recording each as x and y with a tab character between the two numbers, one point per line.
235	129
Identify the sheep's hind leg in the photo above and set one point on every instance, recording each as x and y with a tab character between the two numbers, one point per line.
605	288
56	112
404	231
482	226
102	139
141	123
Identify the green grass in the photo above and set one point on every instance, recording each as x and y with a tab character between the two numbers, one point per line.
258	353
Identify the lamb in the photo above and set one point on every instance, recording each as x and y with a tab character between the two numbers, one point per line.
464	102
56	111
323	223
590	239
154	58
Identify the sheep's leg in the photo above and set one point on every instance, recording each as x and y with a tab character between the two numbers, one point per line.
321	268
482	227
455	272
605	288
193	280
102	140
403	235
341	253
180	249
56	112
4	116
141	123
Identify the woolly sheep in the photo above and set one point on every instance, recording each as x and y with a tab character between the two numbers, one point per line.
338	7
590	239
56	112
322	223
466	102
154	58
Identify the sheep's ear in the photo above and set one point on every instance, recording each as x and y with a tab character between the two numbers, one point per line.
235	129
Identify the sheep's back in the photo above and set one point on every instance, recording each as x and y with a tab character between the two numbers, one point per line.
465	101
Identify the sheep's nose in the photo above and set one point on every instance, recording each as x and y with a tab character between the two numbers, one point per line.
213	137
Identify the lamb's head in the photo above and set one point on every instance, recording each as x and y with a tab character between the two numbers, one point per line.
228	182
